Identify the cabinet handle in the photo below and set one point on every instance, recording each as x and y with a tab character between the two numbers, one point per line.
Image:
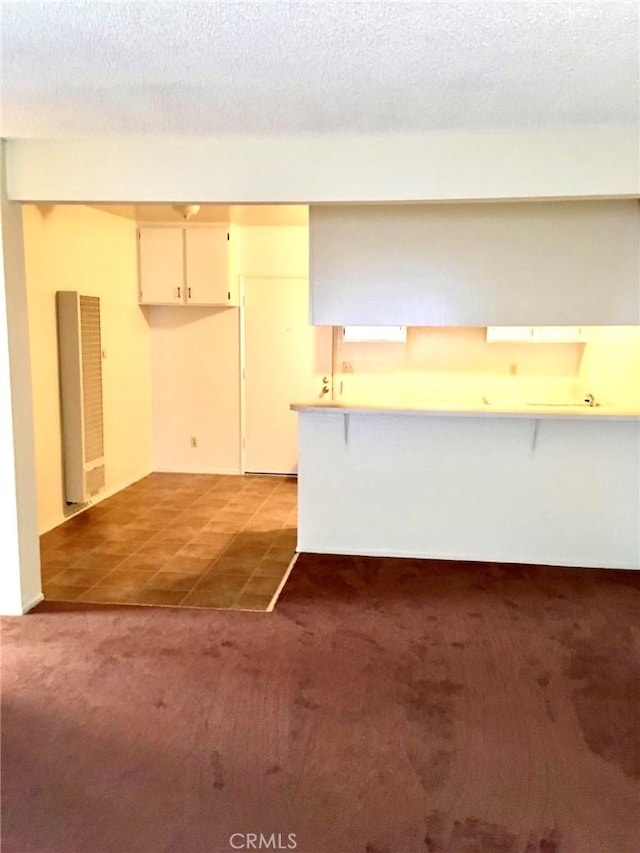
178	293
189	292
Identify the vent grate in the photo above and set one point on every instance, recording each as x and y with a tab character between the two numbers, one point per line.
94	480
91	346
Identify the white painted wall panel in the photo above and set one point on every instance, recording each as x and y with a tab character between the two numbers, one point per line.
471	489
20	586
77	248
195	358
542	263
445	165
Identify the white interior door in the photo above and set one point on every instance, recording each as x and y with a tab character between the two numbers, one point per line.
285	361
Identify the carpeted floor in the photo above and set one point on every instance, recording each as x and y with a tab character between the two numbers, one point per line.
386	706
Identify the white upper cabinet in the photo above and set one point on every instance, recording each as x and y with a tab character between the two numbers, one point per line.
160	266
557	335
207	265
511	334
547	263
185	265
536	334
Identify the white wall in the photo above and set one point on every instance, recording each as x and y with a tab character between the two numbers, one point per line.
447	165
456	365
20	585
610	366
273	250
543	263
471	487
196	360
195	356
79	248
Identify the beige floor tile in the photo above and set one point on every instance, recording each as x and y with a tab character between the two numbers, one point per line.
124	533
222	526
187	563
213	504
113	546
156	514
210	598
271	569
61	592
212	537
202	551
241	551
149	563
279	554
224	583
161	547
110	595
172	537
262	585
233	515
79	577
125	579
179	530
242	566
257	525
151	524
94	560
160	597
176	581
253	601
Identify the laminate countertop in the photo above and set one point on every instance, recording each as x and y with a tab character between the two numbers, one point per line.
577	411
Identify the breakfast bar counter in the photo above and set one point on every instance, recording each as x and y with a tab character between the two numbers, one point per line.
553	484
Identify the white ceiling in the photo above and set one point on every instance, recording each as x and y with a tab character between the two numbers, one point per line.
208	68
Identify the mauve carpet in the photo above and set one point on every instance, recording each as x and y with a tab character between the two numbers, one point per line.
386	706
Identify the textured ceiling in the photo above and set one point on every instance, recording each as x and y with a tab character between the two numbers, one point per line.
208	68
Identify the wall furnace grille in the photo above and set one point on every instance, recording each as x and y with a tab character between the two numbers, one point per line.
80	357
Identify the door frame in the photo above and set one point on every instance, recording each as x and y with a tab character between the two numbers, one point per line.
243	374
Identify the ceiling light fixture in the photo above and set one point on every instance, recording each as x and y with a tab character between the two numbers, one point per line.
186	211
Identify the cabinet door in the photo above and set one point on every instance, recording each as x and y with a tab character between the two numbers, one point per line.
509	333
207	265
160	266
557	334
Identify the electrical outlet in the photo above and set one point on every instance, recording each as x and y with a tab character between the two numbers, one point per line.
194	441
347	367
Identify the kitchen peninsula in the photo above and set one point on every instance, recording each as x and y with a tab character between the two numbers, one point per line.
556	485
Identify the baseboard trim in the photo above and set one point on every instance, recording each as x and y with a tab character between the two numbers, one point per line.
31	604
470	558
223	473
107	493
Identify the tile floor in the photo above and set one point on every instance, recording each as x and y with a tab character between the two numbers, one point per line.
193	540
